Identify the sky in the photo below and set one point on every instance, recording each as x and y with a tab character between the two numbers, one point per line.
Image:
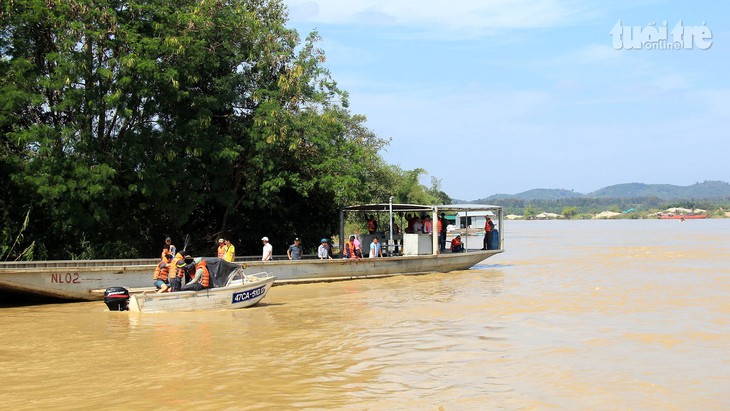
504	96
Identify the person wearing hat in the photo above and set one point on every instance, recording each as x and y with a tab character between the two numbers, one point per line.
221	248
295	250
456	244
177	279
230	251
268	249
323	251
168	248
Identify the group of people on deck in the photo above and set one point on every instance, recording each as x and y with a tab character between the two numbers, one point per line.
179	272
353	248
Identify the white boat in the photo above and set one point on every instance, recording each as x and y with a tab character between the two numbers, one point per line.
415	254
245	291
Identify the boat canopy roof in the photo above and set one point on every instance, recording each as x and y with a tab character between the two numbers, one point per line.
385	207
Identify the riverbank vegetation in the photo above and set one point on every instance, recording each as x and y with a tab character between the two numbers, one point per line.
122	123
627	208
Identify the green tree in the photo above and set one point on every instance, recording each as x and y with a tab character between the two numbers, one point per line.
569	212
122	122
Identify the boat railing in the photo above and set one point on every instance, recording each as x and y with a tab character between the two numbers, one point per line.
77	263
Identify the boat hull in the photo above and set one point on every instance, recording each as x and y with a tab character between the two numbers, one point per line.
87	280
682	217
237	295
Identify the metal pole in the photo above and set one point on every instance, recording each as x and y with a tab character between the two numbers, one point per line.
390	240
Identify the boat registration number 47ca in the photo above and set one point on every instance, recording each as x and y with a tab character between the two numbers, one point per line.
248	294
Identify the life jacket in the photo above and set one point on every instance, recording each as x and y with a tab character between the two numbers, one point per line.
439	225
205	278
455	243
488	226
350	250
161	273
222	251
371	225
427	227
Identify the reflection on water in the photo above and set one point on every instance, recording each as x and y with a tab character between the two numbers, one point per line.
575	315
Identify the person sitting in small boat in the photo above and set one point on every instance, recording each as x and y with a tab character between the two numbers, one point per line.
162	271
174	279
201	279
456	245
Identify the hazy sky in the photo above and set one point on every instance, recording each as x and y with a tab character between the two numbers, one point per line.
502	96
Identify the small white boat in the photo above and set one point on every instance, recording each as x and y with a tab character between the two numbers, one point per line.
232	289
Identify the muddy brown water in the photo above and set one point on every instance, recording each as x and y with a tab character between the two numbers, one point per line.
575	315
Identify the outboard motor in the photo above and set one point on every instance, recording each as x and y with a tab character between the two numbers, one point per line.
116	298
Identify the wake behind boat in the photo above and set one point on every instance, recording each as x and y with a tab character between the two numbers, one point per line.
405	254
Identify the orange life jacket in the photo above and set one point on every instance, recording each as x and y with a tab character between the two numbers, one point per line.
350	249
222	251
161	273
205	278
488	227
371	225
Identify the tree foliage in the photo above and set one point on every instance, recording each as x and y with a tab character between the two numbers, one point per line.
122	122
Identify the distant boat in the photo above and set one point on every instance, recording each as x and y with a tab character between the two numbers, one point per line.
682	216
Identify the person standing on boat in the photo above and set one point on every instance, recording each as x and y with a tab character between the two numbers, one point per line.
171	249
230	251
417	226
427	225
375	249
372	224
488	228
295	250
410	220
442	224
201	279
221	248
323	251
161	274
268	250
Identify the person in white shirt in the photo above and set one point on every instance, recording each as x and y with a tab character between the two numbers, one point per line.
268	249
323	251
417	226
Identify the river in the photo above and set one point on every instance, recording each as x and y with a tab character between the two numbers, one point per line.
575	315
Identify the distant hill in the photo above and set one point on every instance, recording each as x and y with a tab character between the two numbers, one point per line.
704	190
538	193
